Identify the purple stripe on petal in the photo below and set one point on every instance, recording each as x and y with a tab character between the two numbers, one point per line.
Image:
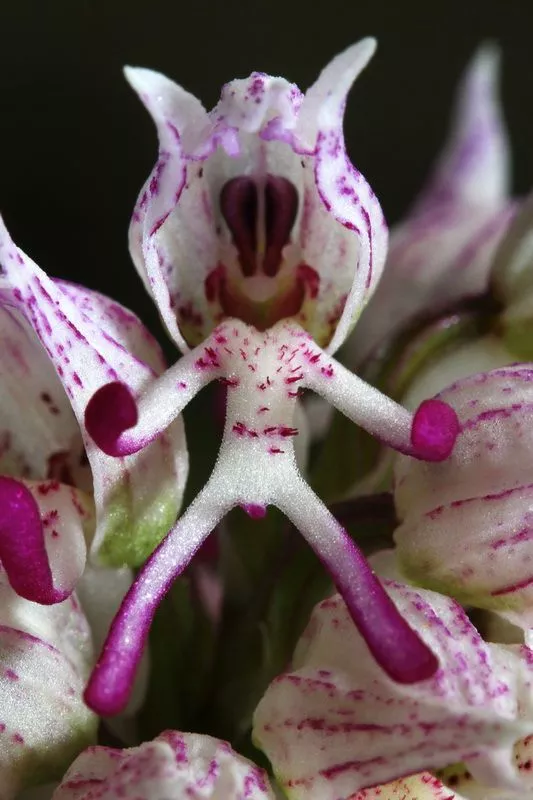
22	549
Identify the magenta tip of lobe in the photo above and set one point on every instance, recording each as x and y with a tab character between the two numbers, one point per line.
22	544
434	431
110	411
106	694
419	665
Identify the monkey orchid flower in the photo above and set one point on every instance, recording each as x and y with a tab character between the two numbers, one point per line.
172	766
260	243
336	724
442	252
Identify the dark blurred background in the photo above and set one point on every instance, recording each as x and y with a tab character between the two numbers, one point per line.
76	144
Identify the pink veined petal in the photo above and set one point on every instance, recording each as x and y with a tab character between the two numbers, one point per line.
343	190
45	441
473	169
87	339
336	724
42	538
45	655
173	766
466	524
443	250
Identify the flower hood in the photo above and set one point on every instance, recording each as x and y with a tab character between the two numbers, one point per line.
253	210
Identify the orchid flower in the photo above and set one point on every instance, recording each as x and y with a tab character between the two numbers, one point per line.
441	253
336	724
172	766
89	339
260	244
466	527
46	653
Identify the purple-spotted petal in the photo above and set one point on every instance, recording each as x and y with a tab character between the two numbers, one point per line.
45	655
173	766
336	723
443	250
254	210
467	523
423	786
91	341
42	537
45	441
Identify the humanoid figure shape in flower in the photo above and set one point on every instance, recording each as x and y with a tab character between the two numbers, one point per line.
260	244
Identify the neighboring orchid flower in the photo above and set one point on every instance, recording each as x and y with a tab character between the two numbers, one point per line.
173	766
45	657
259	241
442	252
337	724
89	339
467	526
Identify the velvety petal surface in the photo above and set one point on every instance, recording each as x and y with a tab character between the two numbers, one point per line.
443	250
467	523
39	435
45	657
254	210
90	340
336	724
173	766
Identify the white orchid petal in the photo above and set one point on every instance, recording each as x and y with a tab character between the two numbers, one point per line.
45	656
466	524
137	498
337	724
173	766
44	441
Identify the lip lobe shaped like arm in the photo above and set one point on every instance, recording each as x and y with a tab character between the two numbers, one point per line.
120	425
